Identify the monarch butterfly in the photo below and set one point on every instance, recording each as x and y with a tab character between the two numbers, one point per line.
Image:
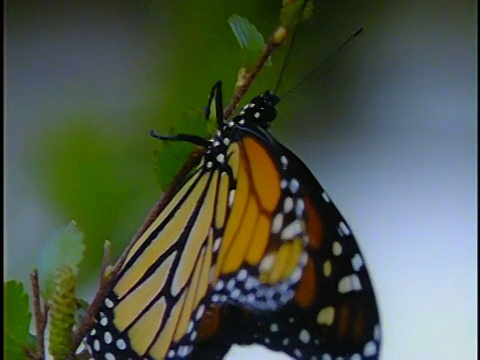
250	249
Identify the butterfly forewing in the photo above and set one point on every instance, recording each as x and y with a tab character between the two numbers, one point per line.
158	297
262	252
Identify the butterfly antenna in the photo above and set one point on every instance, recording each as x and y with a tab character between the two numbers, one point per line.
324	62
290	47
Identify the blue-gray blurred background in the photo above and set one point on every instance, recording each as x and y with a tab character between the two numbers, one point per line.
391	133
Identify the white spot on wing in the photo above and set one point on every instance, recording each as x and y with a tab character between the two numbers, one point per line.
343	228
287	204
249	284
219	285
200	311
325	197
230	284
349	283
107	337
300	206
267	263
235	293
121	344
277	223
294	185
336	248
104	321
370	349
291	230
304	336
108	303
242	275
220	158
357	262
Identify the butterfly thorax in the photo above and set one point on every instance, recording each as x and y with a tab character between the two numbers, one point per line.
255	117
260	111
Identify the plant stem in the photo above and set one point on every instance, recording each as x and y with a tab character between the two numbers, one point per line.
40	318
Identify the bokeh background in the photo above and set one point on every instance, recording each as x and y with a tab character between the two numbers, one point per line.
391	133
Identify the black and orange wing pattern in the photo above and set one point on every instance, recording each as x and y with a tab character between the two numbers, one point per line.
333	313
263	250
252	237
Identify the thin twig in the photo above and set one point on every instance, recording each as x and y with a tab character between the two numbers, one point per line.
87	321
40	321
30	354
242	88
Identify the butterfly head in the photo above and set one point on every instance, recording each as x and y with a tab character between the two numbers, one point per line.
260	110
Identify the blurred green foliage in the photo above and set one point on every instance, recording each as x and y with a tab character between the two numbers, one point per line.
17	321
89	180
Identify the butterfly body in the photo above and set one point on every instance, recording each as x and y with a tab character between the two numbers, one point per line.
250	249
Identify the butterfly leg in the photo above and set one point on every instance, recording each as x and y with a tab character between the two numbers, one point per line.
216	93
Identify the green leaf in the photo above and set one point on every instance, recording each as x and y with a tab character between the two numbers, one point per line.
250	40
17	321
171	155
64	249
